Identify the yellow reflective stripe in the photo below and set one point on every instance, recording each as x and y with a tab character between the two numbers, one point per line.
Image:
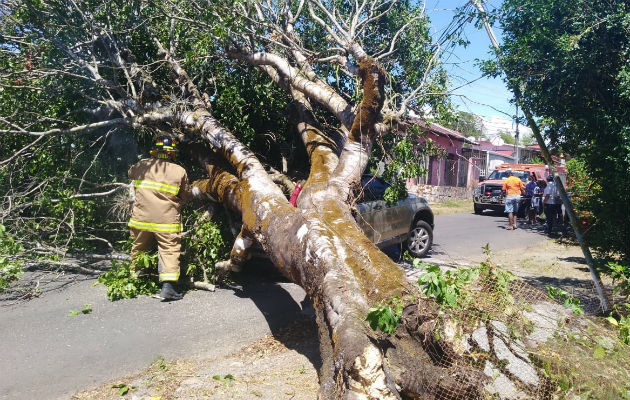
157	186
150	226
169	277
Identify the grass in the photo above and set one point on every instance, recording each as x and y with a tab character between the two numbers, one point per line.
452	207
593	344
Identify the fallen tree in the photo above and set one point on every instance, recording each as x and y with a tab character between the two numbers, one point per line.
143	68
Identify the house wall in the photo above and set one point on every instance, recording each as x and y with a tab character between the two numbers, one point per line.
438	165
495	159
438	194
476	168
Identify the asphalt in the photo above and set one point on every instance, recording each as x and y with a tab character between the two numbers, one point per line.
460	237
47	354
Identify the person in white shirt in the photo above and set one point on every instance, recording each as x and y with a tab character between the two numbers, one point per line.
552	203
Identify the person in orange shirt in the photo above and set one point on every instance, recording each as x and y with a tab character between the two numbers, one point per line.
514	187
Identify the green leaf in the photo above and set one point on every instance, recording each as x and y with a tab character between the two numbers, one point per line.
612	320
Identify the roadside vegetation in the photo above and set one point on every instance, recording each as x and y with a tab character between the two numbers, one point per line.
489	316
549	47
452	207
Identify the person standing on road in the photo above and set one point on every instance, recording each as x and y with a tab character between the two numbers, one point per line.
514	188
536	207
551	200
161	186
529	196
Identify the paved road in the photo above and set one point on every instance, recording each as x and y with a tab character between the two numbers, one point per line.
459	237
46	354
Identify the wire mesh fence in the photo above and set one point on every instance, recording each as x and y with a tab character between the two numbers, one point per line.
523	338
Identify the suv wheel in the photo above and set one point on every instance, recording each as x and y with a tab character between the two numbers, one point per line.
420	239
478	209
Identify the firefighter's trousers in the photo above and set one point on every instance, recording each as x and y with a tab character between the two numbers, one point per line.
169	246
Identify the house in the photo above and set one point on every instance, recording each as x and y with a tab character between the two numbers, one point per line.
454	174
451	176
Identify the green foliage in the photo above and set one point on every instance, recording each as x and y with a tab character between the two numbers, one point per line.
586	194
507	137
397	191
528	140
536	160
622	323
468	124
386	316
45	85
445	287
120	282
160	363
227	380
620	273
403	154
10	266
205	246
566	298
87	309
123	388
571	59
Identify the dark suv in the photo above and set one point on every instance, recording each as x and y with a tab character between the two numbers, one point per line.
408	221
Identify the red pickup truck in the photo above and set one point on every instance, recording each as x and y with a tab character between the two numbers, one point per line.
488	193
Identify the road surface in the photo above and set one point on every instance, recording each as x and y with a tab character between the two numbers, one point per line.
460	237
47	354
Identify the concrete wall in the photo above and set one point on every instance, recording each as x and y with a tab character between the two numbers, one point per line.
438	194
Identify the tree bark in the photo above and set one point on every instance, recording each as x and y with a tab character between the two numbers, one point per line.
320	247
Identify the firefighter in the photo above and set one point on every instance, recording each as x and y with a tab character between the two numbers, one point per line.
161	186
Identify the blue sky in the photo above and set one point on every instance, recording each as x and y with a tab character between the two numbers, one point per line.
483	96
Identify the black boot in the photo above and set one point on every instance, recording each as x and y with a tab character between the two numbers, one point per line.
169	293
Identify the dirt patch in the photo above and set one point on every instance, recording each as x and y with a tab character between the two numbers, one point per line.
279	366
557	264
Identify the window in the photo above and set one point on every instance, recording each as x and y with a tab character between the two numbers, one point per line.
502	175
373	188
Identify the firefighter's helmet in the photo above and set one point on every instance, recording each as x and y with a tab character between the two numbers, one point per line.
164	147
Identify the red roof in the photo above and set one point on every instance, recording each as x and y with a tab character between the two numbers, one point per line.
505	152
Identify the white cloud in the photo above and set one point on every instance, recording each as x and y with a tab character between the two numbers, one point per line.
495	124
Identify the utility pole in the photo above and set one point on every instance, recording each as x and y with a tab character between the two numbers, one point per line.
545	152
516	145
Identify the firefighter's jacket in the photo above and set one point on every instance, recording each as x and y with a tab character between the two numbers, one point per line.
160	189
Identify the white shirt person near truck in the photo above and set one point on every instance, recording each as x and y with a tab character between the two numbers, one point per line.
552	203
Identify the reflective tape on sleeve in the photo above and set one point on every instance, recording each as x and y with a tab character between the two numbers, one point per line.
150	226
162	187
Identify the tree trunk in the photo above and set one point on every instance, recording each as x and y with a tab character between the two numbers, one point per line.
320	247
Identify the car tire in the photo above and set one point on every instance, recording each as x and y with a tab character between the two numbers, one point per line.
478	209
420	239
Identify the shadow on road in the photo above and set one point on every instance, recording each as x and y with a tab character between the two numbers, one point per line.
291	323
